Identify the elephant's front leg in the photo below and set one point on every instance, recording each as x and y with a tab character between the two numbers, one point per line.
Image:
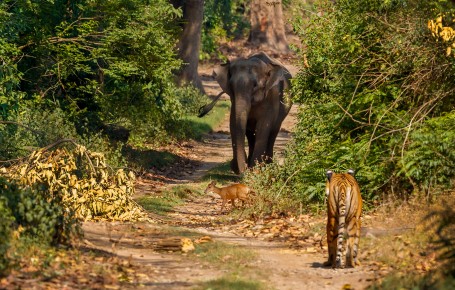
237	125
262	134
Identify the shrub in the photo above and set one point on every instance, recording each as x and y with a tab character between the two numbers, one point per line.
41	216
429	159
5	230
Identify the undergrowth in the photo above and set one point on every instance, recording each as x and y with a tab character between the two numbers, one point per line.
420	255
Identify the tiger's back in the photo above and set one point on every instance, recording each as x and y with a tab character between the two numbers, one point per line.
344	208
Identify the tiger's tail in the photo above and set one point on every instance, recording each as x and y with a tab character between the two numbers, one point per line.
341	228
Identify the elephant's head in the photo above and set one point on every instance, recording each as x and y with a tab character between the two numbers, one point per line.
250	83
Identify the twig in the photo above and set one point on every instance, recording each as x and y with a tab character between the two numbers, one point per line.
349	114
352	99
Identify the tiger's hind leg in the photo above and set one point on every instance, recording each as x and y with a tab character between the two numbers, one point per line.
332	248
350	252
351	242
356	242
332	226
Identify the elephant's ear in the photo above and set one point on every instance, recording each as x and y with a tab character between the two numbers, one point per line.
278	77
222	76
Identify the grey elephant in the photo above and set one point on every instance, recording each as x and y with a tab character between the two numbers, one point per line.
258	87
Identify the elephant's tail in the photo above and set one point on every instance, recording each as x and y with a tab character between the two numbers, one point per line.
207	108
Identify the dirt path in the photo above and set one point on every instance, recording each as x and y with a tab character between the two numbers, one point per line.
284	267
277	265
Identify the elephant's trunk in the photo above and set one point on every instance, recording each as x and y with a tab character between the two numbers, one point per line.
239	117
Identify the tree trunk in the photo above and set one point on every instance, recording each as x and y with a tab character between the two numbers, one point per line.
267	26
190	41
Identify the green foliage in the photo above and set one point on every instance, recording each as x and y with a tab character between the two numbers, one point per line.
99	62
430	158
9	76
375	90
276	190
223	20
39	216
138	80
190	98
6	223
35	128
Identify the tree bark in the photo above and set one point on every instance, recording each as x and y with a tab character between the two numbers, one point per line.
190	41
267	26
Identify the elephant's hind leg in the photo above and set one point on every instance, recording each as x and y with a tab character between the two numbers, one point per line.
251	142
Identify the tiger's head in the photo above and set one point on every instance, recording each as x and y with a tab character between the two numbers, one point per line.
329	174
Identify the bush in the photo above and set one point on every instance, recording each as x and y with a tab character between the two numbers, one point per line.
5	231
430	158
41	216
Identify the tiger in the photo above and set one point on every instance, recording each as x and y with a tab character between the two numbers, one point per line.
344	208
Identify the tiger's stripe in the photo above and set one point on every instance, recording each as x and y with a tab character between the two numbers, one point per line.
344	207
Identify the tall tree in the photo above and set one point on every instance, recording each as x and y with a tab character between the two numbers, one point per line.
267	25
190	41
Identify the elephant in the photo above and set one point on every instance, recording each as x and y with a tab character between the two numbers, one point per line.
258	88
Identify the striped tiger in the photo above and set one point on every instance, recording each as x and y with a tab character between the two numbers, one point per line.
344	208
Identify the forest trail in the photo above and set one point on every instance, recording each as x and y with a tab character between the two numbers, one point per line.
279	264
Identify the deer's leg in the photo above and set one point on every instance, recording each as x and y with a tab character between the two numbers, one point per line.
222	205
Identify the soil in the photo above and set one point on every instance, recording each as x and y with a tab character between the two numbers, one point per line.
291	259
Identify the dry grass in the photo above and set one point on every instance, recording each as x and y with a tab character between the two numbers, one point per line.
401	242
